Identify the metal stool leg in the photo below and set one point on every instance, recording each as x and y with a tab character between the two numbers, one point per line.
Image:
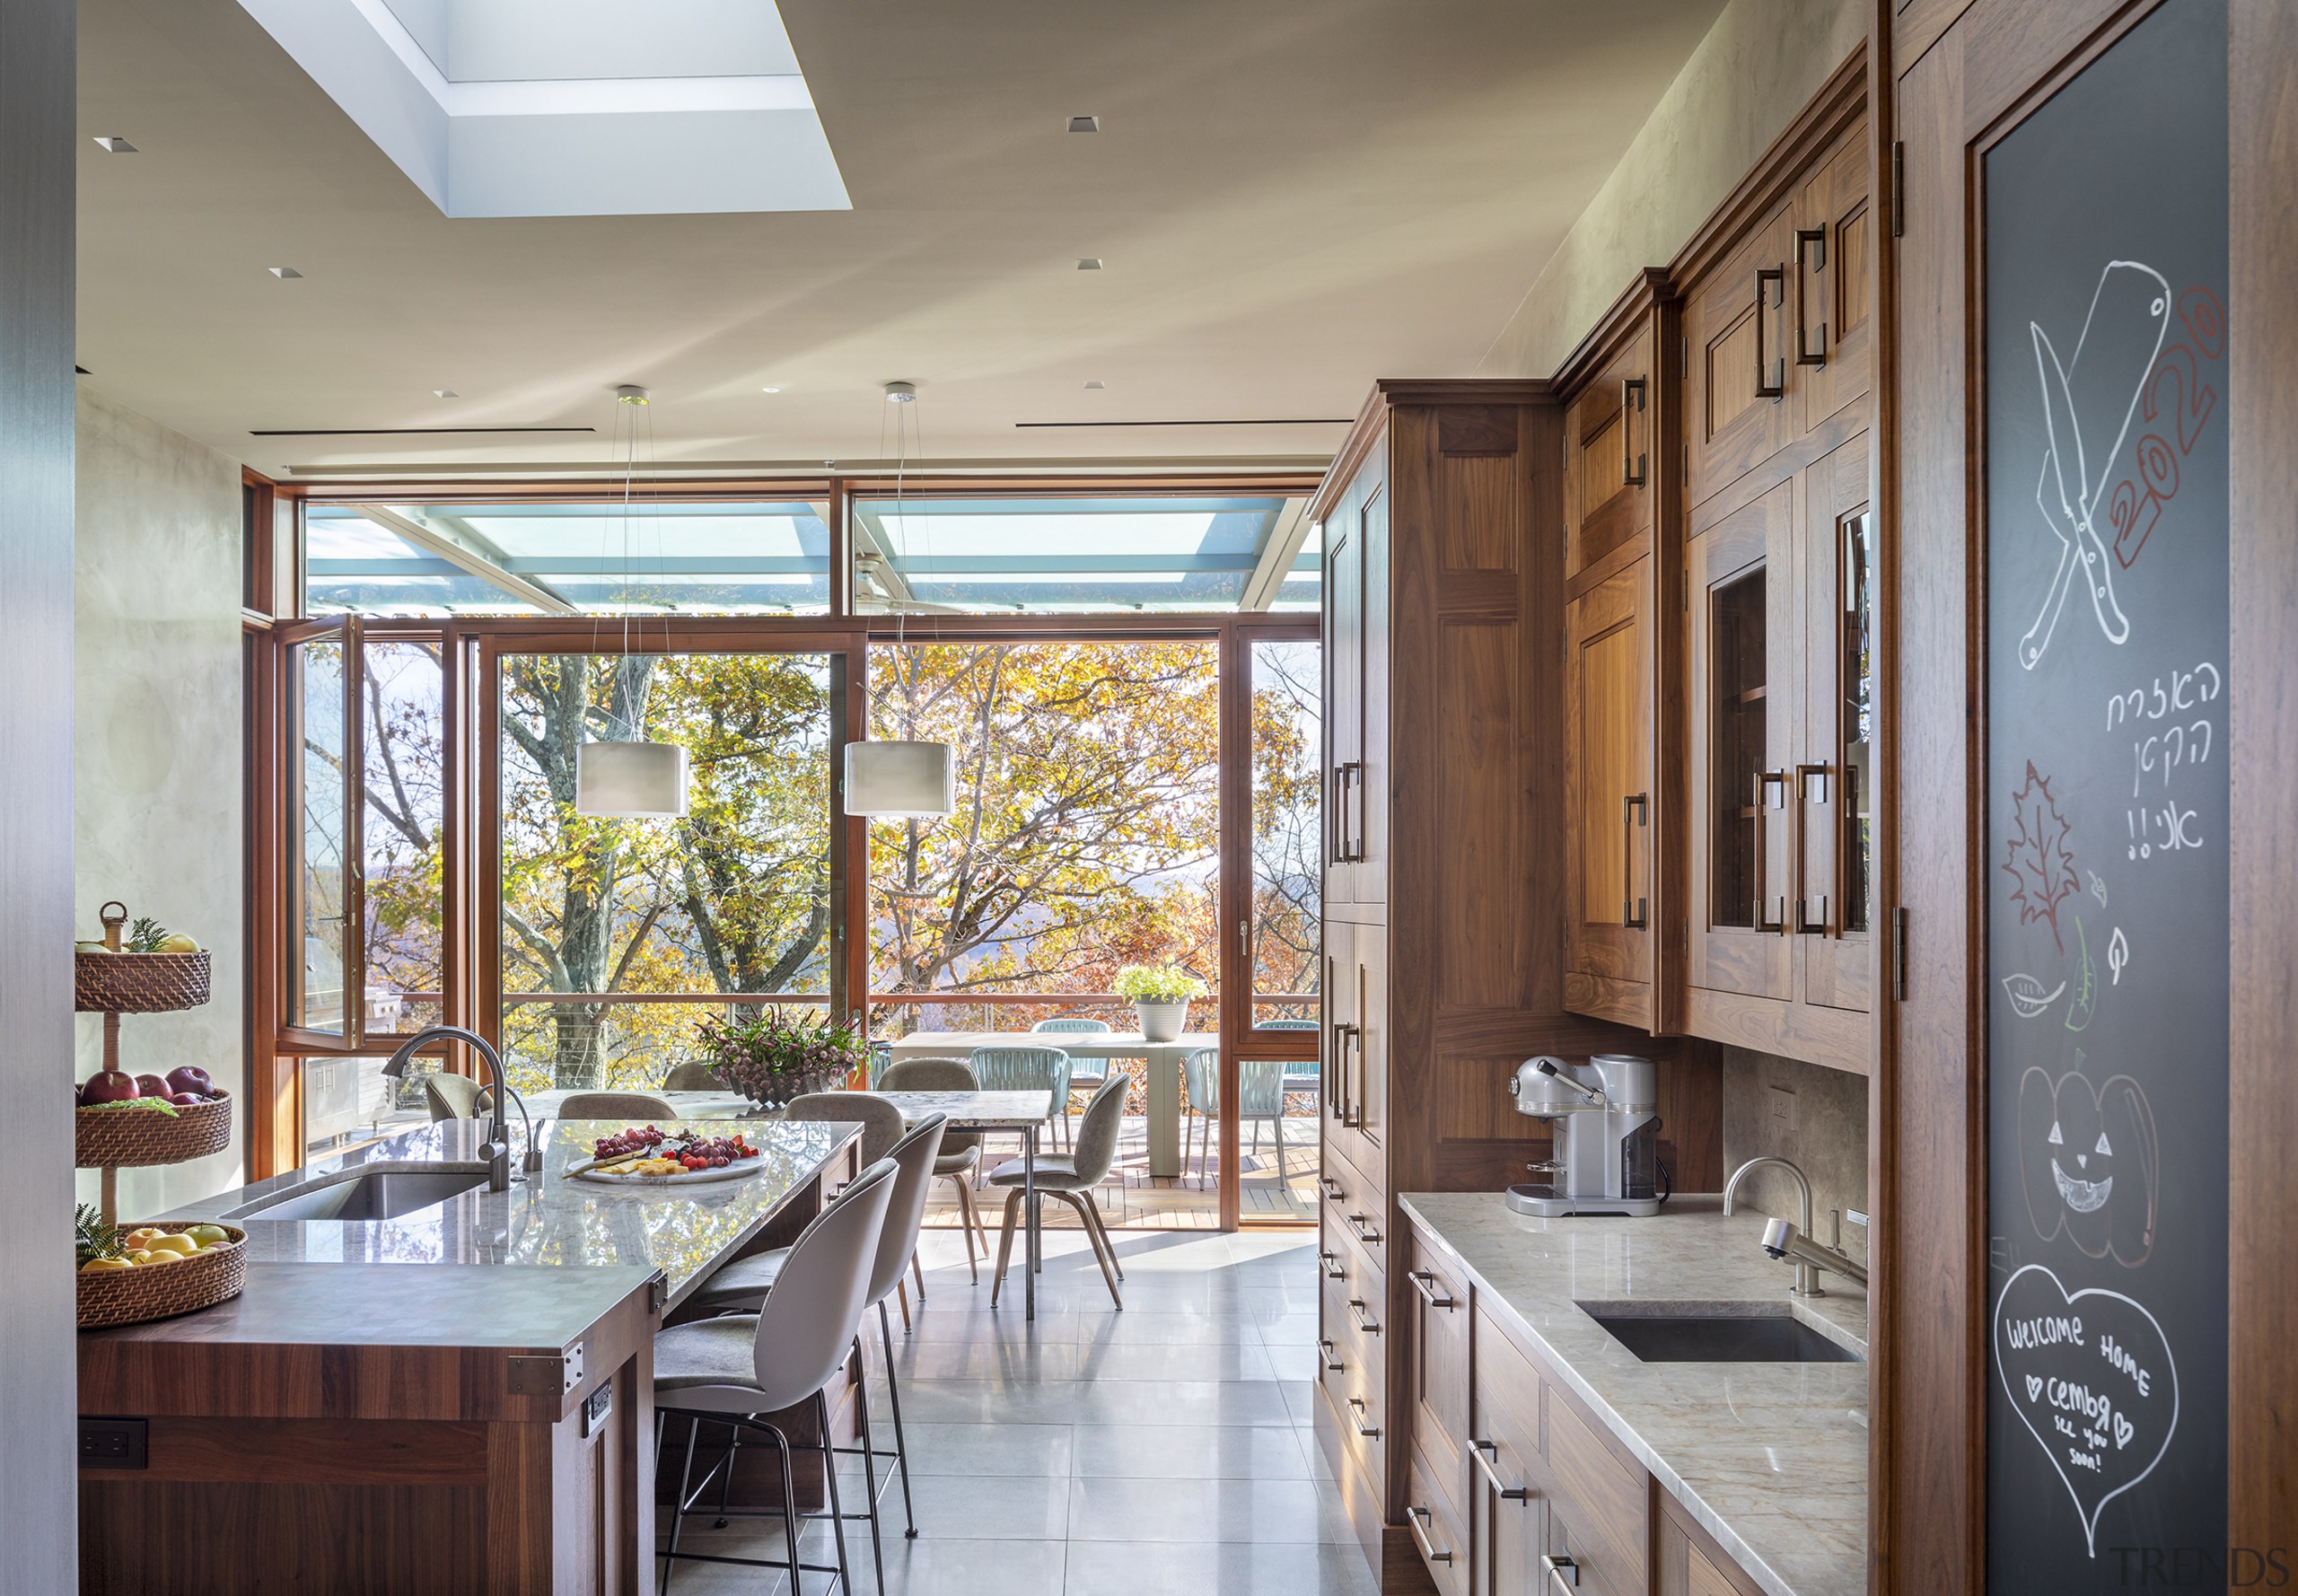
869	1453
901	1440
837	1517
678	1508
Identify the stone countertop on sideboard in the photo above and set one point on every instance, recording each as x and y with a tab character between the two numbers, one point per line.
550	1219
1770	1458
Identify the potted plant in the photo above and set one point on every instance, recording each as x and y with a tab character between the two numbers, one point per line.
1160	995
778	1054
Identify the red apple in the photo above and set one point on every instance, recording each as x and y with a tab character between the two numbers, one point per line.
186	1099
188	1077
109	1086
152	1086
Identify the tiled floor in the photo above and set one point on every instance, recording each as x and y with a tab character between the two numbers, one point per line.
1166	1448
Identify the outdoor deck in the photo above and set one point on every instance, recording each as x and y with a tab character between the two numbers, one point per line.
1131	1198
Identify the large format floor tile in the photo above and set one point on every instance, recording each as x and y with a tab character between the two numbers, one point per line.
1096	1453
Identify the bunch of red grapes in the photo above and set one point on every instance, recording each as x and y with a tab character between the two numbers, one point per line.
692	1150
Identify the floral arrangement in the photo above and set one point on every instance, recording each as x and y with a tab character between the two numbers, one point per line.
1158	983
779	1053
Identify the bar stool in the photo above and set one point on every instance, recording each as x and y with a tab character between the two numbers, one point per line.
747	1283
741	1369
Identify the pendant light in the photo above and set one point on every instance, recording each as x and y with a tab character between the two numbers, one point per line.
631	779
901	779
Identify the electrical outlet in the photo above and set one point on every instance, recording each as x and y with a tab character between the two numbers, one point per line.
115	1443
1781	1102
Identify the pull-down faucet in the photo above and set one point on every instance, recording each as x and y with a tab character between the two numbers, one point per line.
1784	1241
495	1150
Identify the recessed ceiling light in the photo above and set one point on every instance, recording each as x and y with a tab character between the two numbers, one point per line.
1097	384
901	393
769	389
1090	263
444	393
282	271
115	147
1085	124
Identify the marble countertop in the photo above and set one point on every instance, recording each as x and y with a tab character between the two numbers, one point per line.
1771	1458
548	1219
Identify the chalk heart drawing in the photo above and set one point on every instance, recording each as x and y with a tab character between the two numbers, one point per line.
2091	1376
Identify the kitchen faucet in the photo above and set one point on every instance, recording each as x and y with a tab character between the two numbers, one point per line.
495	1150
1782	1239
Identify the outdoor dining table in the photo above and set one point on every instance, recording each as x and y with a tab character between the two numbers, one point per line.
1163	1059
1024	1112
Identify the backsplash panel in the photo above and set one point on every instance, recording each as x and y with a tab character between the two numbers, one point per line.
1812	1116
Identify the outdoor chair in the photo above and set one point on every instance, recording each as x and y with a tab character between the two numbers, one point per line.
1026	1069
1086	1075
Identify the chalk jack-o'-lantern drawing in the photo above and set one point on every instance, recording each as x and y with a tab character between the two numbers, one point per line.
2090	1163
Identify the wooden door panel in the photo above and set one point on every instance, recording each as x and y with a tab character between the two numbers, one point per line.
1344	668
1608	487
1372	869
1832	305
1745	627
1734	323
1609	794
1833	924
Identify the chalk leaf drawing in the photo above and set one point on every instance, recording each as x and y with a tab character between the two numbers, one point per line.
2117	955
2090	1375
2027	998
2086	982
2098	889
2087	406
2036	857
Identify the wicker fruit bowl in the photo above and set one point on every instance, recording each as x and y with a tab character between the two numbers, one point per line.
140	982
142	1291
135	1138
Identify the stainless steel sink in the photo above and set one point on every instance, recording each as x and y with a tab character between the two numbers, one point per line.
370	1191
1717	1333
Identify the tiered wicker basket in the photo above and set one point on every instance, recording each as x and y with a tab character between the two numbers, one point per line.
161	1291
112	1139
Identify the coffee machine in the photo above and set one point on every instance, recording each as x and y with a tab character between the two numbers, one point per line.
1604	1154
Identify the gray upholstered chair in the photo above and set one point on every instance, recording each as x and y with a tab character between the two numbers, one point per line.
451	1096
1071	1177
617	1105
740	1369
960	1149
692	1077
747	1284
881	1121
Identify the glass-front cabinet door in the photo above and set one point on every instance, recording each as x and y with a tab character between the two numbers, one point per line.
1834	772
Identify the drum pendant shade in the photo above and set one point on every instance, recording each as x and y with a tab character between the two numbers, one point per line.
900	779
630	780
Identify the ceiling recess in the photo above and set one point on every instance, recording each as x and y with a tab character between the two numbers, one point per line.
398	432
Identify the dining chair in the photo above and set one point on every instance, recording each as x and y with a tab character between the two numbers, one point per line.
1260	1095
1025	1069
451	1096
693	1075
960	1149
1071	1177
1201	1079
881	1121
1086	1075
617	1105
738	1369
747	1284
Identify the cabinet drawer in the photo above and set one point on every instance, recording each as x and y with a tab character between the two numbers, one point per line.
1598	1503
1355	1208
1436	1527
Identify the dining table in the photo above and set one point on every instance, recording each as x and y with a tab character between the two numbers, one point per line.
1163	1060
1024	1113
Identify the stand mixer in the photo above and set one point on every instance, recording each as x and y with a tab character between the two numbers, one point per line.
1603	1154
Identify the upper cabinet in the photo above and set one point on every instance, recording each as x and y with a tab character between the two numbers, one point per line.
1719	703
1356	642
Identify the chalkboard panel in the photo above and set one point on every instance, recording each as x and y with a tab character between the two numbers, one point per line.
2106	231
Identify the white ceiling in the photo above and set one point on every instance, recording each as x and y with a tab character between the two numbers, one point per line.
1291	198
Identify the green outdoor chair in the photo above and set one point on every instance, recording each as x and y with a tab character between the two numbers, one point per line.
1026	1069
1086	1075
1260	1095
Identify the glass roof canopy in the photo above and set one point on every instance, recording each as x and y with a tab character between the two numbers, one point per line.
1072	555
988	555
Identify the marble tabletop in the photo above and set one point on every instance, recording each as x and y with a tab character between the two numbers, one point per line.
1771	1458
548	1219
974	1111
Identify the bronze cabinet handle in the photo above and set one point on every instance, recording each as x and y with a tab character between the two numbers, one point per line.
1634	467
1417	1517
1348	839
1563	1572
1778	277
1482	1453
1346	1040
1764	782
1804	925
1332	1188
1423	1281
1359	1410
1366	1230
1362	1316
1329	1354
1335	1268
1635	810
1816	238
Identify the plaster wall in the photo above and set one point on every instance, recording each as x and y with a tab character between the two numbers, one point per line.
1755	69
156	768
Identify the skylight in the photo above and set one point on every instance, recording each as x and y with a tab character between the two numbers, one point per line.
572	108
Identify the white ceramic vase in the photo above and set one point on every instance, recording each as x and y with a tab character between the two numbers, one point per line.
1162	1021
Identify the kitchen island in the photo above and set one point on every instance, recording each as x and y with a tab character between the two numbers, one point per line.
453	1399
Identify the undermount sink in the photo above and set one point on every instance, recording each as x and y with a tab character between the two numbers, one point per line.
1717	1333
371	1191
